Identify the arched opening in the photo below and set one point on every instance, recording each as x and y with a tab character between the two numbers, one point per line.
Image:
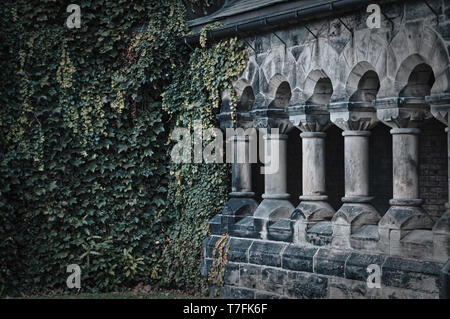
420	82
282	96
368	87
247	100
322	92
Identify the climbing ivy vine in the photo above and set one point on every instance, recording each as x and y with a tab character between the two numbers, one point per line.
85	122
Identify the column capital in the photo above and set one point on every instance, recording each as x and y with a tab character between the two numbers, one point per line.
309	117
440	106
402	112
353	116
271	118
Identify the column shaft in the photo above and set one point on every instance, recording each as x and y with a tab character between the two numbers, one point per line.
313	152
405	152
241	167
356	147
275	179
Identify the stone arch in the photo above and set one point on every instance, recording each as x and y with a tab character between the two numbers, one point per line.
320	56
276	63
318	88
419	83
279	92
356	79
368	86
414	71
245	95
369	50
416	44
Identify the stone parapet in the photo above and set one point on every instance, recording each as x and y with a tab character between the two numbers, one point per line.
267	269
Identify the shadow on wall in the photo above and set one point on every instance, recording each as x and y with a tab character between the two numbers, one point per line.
334	170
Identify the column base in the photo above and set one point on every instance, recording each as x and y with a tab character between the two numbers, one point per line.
236	209
399	222
270	211
349	219
307	214
441	237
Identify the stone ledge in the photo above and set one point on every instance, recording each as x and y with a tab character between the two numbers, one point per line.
239	249
298	258
357	263
266	253
411	274
330	262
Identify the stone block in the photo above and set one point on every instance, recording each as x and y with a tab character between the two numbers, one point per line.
356	265
281	230
209	245
264	295
215	225
237	293
417	9
273	280
320	234
266	253
250	276
245	228
205	265
298	258
444	31
306	286
330	262
340	288
411	274
239	249
231	274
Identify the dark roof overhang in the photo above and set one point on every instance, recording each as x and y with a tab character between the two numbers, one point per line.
275	14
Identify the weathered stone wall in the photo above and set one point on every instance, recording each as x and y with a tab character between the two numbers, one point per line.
364	101
265	269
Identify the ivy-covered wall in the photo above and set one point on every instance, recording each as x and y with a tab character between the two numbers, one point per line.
85	122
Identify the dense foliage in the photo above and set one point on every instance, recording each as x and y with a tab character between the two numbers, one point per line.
85	122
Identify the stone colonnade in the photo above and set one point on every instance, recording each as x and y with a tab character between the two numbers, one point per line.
402	84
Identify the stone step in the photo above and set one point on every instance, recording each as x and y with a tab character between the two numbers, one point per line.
320	234
281	230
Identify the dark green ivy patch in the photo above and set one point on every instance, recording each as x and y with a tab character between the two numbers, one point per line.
85	122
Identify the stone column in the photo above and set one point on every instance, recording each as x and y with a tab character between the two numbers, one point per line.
241	202
406	214
440	108
355	119
275	205
313	166
312	120
241	184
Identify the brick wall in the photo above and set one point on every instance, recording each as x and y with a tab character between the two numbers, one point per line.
433	186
